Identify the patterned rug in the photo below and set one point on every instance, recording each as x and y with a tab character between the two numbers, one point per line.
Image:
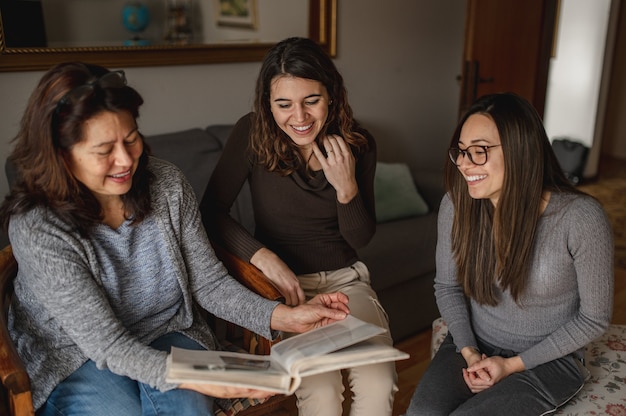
610	189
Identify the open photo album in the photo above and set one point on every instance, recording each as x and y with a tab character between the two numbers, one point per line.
343	344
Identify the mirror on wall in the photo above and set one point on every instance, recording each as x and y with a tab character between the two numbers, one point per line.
53	31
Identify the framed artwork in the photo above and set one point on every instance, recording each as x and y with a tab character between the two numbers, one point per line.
238	13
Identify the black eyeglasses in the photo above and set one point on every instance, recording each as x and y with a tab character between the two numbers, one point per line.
113	79
477	154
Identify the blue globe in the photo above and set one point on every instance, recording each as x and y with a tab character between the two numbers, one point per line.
135	17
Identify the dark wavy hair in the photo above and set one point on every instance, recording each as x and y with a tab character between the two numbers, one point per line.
49	129
302	58
493	246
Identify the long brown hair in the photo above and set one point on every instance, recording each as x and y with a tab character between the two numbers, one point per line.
49	129
302	58
493	246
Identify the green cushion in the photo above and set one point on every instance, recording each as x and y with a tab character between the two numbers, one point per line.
395	193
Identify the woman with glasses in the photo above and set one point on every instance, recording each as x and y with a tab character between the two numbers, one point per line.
113	259
524	271
310	168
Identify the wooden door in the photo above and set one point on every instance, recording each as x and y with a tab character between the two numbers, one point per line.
507	49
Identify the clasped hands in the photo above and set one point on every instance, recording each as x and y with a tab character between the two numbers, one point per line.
483	372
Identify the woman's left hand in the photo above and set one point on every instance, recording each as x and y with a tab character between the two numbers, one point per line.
339	167
497	368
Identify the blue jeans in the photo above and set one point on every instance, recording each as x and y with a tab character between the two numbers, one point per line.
94	392
538	391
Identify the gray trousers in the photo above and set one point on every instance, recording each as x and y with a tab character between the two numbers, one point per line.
539	391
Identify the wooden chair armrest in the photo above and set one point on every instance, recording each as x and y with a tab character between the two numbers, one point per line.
254	279
247	274
12	371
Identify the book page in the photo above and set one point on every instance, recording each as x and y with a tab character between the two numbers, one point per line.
321	341
363	353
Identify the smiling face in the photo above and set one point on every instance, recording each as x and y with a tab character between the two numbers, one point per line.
483	182
108	154
299	107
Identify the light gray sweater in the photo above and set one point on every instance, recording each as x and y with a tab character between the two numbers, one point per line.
569	298
61	314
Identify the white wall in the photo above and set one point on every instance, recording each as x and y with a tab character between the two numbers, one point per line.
576	71
399	59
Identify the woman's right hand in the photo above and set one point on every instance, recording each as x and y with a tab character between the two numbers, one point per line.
280	275
226	392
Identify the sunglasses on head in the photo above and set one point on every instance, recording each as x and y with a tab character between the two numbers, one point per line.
113	79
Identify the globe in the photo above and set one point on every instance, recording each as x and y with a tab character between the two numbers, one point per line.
135	18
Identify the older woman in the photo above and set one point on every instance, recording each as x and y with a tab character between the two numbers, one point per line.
113	259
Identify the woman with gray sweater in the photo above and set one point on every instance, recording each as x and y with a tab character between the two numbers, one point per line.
113	259
524	271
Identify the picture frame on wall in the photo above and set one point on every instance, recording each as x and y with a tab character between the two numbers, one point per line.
237	13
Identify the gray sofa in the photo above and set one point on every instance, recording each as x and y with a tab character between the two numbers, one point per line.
401	256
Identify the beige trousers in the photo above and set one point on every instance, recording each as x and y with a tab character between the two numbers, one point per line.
373	386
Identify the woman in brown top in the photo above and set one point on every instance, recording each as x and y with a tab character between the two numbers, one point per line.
310	168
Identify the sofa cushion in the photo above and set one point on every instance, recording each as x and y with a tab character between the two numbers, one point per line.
221	132
430	186
242	207
194	151
401	250
395	193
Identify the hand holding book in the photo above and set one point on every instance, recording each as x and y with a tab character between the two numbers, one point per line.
227	392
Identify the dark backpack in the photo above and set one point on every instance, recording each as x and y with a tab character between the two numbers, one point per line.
572	157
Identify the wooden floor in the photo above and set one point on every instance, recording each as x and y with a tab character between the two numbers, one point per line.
410	371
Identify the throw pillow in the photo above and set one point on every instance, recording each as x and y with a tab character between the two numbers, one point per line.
395	193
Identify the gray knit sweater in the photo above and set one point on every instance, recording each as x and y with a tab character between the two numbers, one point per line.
568	301
61	314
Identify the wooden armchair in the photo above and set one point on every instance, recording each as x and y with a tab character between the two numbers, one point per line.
15	393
